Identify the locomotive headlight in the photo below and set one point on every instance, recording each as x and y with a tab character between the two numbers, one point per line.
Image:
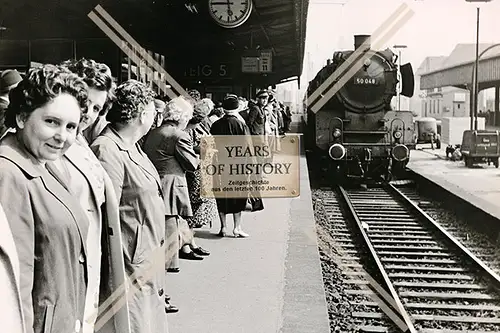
398	135
337	133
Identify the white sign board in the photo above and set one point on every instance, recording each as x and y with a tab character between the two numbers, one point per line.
266	59
249	64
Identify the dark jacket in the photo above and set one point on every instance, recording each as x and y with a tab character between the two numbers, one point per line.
171	151
256	119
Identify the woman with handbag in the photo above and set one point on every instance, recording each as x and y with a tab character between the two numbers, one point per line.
231	124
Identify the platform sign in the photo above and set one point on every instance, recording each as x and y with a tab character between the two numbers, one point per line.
266	62
243	166
261	63
249	64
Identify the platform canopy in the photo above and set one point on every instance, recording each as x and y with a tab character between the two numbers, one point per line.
457	69
180	30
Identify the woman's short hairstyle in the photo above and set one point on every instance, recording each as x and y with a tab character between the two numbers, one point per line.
201	110
96	75
42	85
195	94
178	109
131	97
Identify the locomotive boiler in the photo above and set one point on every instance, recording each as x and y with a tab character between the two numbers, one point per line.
356	133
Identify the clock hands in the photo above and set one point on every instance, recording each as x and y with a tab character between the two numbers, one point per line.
227	12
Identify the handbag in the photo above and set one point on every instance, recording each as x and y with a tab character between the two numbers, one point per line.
254	204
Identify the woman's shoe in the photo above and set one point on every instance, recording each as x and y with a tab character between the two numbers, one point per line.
222	233
173	270
200	251
189	256
169	308
240	234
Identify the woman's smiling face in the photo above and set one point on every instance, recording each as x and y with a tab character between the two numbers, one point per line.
50	130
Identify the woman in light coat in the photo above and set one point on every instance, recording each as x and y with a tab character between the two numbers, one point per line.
48	224
11	316
84	177
138	190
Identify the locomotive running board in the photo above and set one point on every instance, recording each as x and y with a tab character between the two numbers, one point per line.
388	145
366	132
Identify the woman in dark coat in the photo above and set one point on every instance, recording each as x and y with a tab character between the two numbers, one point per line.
170	149
230	124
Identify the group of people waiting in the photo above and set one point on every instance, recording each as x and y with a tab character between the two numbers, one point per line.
100	195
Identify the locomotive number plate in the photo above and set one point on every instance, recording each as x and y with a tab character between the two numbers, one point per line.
366	81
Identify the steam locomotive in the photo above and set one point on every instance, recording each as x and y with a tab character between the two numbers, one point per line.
356	134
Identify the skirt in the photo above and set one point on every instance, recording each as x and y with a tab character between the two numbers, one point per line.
204	209
231	206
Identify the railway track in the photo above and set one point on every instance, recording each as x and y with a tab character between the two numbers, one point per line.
437	285
365	313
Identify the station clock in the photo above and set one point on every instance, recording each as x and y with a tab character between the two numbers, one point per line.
230	13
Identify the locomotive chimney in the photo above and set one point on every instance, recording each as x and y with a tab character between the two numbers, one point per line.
360	39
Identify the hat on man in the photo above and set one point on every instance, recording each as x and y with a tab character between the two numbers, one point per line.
8	79
262	92
230	103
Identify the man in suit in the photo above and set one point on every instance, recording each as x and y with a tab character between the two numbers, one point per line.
256	114
9	79
11	316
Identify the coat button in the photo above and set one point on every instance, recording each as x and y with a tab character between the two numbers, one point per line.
81	258
160	292
162	242
78	326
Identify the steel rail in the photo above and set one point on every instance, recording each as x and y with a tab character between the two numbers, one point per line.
399	305
478	262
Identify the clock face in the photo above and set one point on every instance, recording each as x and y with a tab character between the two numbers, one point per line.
230	13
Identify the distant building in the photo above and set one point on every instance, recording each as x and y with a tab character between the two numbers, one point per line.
447	101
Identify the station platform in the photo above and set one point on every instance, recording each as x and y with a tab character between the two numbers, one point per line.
479	185
270	282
